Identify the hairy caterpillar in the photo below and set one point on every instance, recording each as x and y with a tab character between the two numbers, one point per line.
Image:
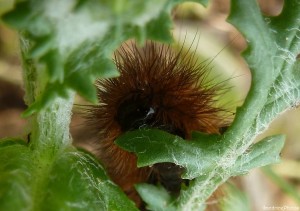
159	88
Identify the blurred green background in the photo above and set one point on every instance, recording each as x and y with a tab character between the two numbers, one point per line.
212	38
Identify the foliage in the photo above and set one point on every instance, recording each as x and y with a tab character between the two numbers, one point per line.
66	45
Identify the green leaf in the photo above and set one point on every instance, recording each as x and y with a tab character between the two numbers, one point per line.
15	168
45	45
78	182
157	198
152	146
55	68
260	154
83	84
20	17
198	156
75	39
158	29
71	180
271	55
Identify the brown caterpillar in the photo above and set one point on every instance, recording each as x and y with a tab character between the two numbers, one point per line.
159	88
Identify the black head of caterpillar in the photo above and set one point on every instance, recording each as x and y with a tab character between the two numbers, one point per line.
159	88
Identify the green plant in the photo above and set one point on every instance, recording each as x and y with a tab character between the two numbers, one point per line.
66	45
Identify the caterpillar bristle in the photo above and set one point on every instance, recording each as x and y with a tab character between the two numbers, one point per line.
157	87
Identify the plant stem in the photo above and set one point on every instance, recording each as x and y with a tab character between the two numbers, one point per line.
49	128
